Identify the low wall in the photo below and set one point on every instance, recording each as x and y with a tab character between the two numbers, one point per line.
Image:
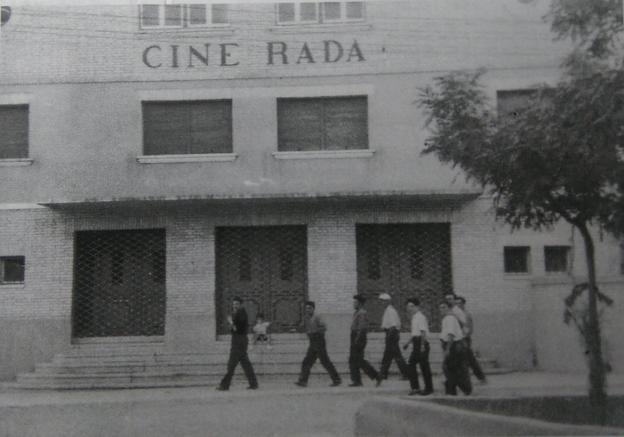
558	346
413	418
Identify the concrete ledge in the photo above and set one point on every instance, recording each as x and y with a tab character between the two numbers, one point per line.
406	417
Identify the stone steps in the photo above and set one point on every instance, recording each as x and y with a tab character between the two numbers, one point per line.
86	367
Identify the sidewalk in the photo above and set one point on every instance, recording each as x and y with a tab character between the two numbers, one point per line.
510	384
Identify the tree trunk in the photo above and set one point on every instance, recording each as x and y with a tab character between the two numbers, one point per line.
597	393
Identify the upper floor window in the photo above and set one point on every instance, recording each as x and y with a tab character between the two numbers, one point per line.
556	259
511	102
322	123
13	131
319	12
516	259
187	127
173	16
11	269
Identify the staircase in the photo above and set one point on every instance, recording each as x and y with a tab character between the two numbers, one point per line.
139	365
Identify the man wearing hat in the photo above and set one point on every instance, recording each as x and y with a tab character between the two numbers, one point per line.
359	329
391	324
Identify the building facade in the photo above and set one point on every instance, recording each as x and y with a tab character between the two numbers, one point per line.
157	160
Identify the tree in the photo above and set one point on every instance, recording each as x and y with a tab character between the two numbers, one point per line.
560	156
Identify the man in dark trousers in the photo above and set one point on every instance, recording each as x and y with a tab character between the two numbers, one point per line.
454	366
391	324
359	328
315	328
238	351
420	349
473	364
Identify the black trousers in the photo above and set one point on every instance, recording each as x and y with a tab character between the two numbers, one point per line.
392	351
420	358
472	360
317	349
455	367
357	361
238	354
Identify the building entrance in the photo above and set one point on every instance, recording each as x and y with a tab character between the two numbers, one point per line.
404	260
119	283
266	267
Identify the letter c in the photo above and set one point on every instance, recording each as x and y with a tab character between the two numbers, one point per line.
146	52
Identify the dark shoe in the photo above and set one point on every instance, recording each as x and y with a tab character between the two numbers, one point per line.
221	388
355	384
378	381
335	383
301	384
426	392
414	392
252	387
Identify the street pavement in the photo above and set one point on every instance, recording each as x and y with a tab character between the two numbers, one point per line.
278	408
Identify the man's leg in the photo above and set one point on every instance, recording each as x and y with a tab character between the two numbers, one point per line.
473	363
232	362
366	366
411	366
329	366
306	365
386	360
425	368
249	371
397	355
354	367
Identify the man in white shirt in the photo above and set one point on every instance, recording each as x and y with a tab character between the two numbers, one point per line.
454	366
420	349
391	324
450	299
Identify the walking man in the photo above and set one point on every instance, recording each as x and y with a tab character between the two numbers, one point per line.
359	328
420	349
315	328
454	365
238	350
468	328
391	324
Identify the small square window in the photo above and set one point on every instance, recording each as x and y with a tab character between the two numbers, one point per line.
219	14
11	269
308	12
556	259
197	15
150	15
286	12
173	15
331	11
355	10
516	259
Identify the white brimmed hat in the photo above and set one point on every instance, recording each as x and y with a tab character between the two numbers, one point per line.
384	296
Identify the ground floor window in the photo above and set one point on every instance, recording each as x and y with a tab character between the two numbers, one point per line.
119	283
404	260
266	266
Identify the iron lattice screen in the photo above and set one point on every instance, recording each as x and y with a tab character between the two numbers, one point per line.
266	267
119	283
404	260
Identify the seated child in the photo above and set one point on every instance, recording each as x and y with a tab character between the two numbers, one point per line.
260	330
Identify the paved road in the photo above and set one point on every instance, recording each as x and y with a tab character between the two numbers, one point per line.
271	411
278	409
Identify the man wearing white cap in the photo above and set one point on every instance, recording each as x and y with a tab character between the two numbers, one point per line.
391	324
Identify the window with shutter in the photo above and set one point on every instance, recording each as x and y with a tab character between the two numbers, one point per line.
14	128
187	127
325	123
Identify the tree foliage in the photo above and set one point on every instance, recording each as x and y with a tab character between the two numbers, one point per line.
560	156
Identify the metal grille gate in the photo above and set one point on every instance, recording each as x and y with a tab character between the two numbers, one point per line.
405	260
119	283
266	267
